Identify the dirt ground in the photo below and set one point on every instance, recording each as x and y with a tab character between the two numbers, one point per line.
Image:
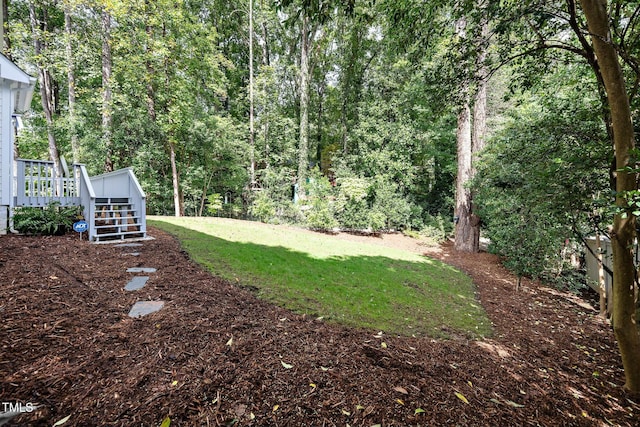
217	356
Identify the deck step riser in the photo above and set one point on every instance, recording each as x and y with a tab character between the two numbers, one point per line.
116	219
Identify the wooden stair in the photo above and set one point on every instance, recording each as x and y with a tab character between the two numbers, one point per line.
116	218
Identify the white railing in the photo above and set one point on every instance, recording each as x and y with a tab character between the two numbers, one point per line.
36	184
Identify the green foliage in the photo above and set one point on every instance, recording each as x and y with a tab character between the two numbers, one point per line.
263	207
50	220
352	209
215	203
320	214
539	178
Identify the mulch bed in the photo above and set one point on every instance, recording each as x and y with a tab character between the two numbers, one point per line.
217	356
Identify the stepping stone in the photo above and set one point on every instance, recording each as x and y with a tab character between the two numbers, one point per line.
141	270
129	245
142	308
136	283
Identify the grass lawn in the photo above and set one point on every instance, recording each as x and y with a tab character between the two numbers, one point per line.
357	284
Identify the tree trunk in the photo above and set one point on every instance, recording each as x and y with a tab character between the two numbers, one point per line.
151	103
303	148
466	224
106	91
623	233
252	144
175	181
467	231
479	127
602	285
266	61
5	40
46	87
71	83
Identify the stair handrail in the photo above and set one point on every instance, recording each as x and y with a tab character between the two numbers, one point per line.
87	197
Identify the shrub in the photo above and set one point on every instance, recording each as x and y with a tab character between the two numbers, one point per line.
320	214
51	220
263	208
214	204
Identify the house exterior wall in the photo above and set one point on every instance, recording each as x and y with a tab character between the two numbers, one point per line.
6	150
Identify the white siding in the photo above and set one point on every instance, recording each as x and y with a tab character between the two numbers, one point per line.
5	149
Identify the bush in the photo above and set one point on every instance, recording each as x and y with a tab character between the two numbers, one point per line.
352	209
51	220
320	214
263	208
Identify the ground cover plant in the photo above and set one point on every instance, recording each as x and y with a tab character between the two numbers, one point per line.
357	284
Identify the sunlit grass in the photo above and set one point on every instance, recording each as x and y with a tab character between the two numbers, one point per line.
357	284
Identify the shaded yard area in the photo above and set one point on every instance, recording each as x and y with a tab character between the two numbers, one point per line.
216	355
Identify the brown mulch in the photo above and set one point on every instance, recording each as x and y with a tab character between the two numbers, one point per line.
217	356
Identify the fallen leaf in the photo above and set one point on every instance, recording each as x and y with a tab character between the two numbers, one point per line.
419	411
312	385
324	369
174	383
399	401
286	365
470	383
166	422
252	416
401	390
461	397
383	345
230	342
275	408
514	404
347	413
359	407
62	421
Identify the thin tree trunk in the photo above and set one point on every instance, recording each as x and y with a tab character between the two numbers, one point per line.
71	83
46	87
252	144
151	104
175	181
107	118
303	148
623	233
266	61
602	285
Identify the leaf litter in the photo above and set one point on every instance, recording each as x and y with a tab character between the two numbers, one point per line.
70	348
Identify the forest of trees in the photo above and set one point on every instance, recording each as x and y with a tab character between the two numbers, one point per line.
514	118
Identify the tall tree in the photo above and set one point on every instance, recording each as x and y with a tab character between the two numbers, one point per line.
624	225
465	235
38	17
107	107
71	83
305	75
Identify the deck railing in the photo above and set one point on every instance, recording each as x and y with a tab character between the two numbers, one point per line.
36	184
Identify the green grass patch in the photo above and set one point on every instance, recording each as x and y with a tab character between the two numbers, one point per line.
357	284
